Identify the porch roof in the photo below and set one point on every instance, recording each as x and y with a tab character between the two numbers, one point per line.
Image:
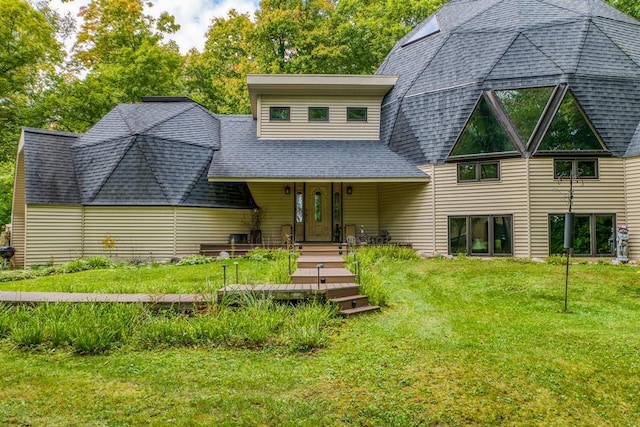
244	157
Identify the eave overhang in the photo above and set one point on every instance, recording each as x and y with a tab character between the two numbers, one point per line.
317	84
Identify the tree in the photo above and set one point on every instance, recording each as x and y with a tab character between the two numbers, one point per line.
630	7
122	57
217	77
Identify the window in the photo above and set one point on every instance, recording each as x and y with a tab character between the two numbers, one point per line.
279	113
357	114
525	107
570	130
318	114
430	27
317	206
299	207
581	169
478	171
594	234
484	235
482	134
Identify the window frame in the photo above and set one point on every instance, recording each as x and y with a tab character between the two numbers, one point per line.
366	114
593	241
273	118
490	233
478	166
325	109
574	166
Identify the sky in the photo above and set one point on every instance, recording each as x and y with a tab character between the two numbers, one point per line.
194	16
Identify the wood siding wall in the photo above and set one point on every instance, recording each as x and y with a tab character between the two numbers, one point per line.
54	234
361	207
547	196
18	213
406	212
507	196
336	128
632	186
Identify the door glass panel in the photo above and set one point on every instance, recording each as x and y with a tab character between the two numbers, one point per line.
299	207
317	206
458	235
479	235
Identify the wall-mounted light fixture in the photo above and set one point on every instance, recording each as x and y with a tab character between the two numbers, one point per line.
287	190
349	189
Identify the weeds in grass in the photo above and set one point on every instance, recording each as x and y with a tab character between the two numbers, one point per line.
307	328
371	286
261	254
278	271
195	260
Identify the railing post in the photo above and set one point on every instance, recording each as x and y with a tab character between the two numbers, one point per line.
319	266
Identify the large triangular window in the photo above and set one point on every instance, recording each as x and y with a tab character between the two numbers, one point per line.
482	134
429	28
570	130
525	107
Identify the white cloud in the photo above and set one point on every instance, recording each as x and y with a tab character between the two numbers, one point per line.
194	16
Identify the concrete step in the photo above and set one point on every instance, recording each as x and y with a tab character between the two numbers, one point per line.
360	310
330	275
329	261
351	301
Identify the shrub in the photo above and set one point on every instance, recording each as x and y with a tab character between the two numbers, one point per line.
100	262
195	260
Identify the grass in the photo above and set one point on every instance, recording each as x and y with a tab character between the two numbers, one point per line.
462	342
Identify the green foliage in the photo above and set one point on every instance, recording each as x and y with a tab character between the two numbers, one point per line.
6	191
308	329
195	260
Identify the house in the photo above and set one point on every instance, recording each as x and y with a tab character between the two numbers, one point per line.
467	140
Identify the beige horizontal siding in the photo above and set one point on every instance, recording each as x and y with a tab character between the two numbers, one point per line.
406	212
18	213
508	196
547	196
54	234
361	207
336	128
278	206
632	185
141	233
200	225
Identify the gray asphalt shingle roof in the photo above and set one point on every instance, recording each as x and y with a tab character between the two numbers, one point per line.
49	175
243	156
511	44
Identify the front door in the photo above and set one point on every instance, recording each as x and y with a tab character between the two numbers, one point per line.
318	213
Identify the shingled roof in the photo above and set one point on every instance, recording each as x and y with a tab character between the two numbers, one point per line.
244	157
509	44
154	153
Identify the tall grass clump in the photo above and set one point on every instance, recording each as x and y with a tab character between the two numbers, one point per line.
374	254
278	271
307	328
256	322
262	254
168	330
26	330
6	314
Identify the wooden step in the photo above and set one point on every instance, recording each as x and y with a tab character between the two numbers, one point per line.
331	275
329	261
351	301
316	249
339	290
360	310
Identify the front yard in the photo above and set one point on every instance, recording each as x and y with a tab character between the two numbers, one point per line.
463	342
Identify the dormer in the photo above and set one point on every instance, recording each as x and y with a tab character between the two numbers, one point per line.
310	106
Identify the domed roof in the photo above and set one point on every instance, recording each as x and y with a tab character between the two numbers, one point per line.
154	153
469	49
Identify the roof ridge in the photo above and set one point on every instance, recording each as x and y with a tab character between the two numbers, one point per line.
543	53
616	44
51	132
118	110
566	8
582	45
495	64
194	182
93	196
471	18
153	171
173	116
194	144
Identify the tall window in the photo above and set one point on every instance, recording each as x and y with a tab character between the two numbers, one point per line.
317	206
594	234
488	235
299	207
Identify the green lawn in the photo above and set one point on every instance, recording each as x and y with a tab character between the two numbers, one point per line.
464	342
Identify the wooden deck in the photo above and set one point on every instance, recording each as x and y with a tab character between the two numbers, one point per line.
180	301
296	291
